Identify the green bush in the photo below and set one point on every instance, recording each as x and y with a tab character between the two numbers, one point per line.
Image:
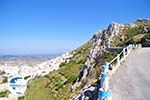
21	98
4	93
130	41
2	72
146	37
132	32
59	85
26	77
5	79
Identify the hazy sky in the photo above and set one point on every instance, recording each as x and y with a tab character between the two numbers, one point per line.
54	26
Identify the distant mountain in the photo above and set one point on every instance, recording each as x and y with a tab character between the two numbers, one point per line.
31	60
81	73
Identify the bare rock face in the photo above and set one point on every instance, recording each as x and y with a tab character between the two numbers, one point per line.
94	53
101	40
89	92
132	25
145	29
144	25
115	28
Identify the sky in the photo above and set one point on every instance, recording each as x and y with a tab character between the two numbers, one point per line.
56	26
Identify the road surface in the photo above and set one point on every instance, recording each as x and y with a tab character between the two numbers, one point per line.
132	80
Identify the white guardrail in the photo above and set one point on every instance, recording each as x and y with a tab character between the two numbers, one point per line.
104	92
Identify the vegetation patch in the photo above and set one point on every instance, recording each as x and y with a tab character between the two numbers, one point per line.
26	77
4	93
5	79
57	85
21	98
146	37
2	72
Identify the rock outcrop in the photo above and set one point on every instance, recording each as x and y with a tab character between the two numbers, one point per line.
101	41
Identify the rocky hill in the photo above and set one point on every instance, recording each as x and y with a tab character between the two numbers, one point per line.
78	78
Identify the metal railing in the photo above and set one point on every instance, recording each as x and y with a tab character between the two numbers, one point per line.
115	63
104	92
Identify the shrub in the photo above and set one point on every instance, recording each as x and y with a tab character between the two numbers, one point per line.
130	41
132	32
26	77
146	37
2	72
4	93
21	98
5	79
58	85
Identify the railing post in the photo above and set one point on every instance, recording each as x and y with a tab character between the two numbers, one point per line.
104	81
132	46
124	53
104	69
129	48
104	93
118	59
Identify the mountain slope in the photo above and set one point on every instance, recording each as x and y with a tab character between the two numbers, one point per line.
80	75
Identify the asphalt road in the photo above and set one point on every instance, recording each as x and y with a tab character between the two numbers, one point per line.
132	80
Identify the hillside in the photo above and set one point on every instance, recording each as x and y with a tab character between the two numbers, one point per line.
74	78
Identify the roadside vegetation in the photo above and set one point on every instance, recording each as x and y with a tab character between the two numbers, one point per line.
146	37
5	79
2	72
4	93
21	98
26	77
